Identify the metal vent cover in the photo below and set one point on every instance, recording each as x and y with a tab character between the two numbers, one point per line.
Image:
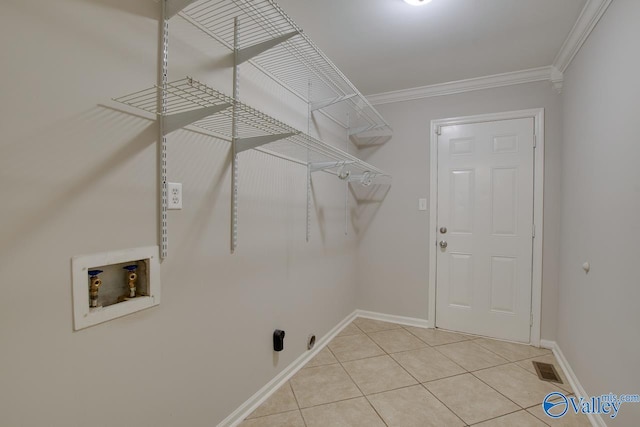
547	372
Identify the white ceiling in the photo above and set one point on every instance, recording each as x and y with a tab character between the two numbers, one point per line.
387	45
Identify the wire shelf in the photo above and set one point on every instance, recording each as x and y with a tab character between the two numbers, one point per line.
297	62
190	96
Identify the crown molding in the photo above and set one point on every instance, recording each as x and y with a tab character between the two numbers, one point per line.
557	78
460	86
586	22
589	17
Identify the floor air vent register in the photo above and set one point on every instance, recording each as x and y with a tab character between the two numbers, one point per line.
547	372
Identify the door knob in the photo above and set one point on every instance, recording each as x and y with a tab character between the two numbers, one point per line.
443	244
443	230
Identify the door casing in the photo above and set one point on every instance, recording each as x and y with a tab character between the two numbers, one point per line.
538	207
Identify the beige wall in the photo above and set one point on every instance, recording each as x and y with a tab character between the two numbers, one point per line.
81	178
598	312
393	255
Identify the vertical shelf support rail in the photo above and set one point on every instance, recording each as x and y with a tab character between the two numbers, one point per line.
308	202
242	144
162	141
234	140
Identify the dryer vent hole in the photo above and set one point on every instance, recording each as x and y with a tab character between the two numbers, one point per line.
311	341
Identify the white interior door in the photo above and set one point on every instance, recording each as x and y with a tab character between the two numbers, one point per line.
485	228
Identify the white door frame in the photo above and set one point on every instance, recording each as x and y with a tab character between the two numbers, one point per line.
538	199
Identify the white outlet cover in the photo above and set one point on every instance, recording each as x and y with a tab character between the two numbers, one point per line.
174	195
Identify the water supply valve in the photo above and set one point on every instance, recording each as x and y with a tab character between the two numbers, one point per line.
94	287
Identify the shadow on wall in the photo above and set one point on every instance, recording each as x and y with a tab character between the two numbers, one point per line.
74	155
368	202
320	216
48	16
139	8
366	151
197	227
191	43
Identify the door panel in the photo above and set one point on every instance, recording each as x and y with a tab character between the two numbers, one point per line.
503	279
504	206
485	200
462	192
461	273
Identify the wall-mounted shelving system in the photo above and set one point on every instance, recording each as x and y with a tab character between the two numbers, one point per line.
190	102
275	45
267	37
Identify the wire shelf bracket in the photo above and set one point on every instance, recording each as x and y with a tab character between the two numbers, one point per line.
244	144
172	7
177	121
319	105
363	129
323	166
248	53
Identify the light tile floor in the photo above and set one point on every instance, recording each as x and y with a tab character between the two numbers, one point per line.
383	374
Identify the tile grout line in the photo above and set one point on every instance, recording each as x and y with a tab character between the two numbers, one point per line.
467	372
504	415
445	378
438	345
419	383
498	391
444	404
270	415
493	388
364	395
297	403
439	351
498	354
471	373
478	338
353	322
330	403
542	421
403	368
354	383
280	412
354	360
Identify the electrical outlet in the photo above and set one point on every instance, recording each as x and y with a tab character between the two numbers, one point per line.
174	195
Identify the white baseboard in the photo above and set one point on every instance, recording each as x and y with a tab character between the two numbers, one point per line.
408	321
265	392
578	390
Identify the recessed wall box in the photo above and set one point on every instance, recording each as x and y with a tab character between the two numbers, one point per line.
113	284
